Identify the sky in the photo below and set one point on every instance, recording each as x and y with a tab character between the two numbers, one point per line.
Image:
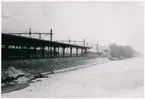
105	22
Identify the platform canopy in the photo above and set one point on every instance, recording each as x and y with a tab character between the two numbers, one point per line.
9	39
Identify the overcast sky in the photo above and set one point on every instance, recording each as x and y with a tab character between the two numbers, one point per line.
120	22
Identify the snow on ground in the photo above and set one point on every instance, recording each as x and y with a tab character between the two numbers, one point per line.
120	79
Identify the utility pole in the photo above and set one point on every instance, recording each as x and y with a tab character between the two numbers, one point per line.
51	34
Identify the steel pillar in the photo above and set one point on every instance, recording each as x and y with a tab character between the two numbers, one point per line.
58	52
70	51
76	51
63	51
35	51
28	51
48	53
54	51
82	52
43	51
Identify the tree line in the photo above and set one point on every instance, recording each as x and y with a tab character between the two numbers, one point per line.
121	51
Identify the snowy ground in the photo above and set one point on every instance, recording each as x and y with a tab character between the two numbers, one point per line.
120	79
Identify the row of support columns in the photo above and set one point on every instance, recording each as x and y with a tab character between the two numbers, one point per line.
51	51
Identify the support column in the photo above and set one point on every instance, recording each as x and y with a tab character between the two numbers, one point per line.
54	51
86	51
19	52
63	51
82	52
35	53
76	51
22	51
70	51
58	52
43	51
28	51
48	53
6	52
51	51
